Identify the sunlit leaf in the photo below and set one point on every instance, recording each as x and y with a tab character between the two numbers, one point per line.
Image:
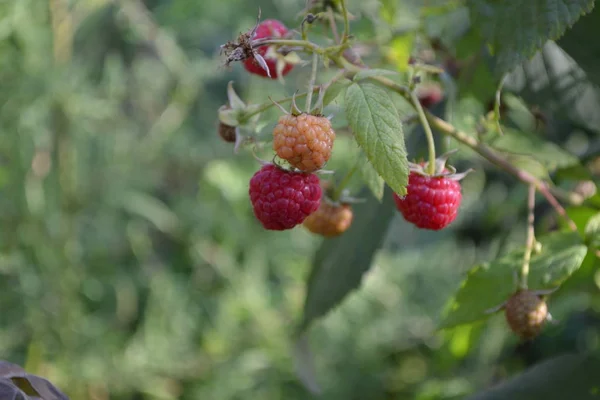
490	284
592	230
335	90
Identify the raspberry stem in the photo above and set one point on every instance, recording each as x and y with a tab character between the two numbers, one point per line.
337	193
257	109
530	237
311	83
428	133
497	101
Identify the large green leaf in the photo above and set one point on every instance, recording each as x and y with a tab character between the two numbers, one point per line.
490	284
570	376
339	264
378	130
515	30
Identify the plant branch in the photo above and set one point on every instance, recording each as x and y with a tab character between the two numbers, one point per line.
530	237
428	133
493	157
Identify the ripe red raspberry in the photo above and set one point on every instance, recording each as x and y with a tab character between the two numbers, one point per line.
305	141
330	219
268	29
430	95
283	199
431	202
526	314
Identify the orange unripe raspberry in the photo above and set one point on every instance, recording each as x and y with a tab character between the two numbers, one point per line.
526	314
330	219
305	141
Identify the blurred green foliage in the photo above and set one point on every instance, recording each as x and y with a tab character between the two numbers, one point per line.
132	267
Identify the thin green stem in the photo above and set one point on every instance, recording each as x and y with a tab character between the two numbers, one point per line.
305	44
346	22
337	193
311	83
304	34
265	106
334	31
530	237
428	133
497	102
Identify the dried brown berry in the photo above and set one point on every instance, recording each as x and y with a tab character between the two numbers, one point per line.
526	314
330	219
227	132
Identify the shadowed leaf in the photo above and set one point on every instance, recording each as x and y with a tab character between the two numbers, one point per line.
340	263
516	30
568	376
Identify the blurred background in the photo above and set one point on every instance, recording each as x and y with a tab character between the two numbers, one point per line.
132	267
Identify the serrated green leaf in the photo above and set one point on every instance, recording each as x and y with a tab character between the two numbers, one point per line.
546	153
581	216
372	179
592	231
573	173
516	30
378	130
370	73
335	90
490	284
569	376
340	263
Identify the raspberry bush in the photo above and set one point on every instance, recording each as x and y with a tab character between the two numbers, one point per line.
375	105
297	199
